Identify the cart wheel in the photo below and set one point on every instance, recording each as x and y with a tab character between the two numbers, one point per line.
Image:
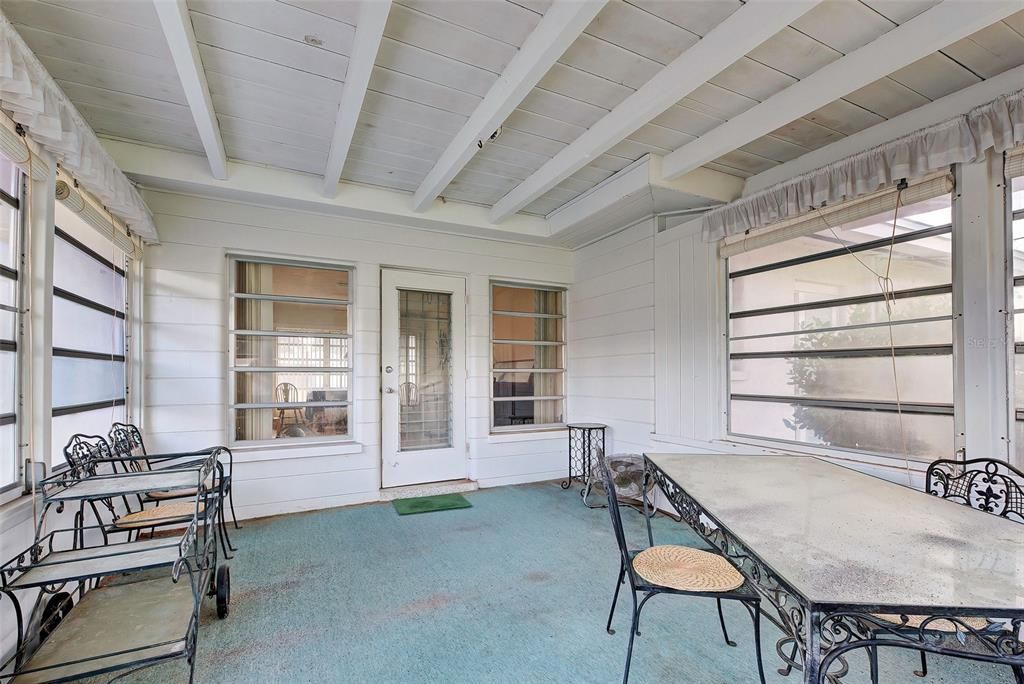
223	591
57	608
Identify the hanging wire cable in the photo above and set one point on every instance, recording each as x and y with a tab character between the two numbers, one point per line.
888	289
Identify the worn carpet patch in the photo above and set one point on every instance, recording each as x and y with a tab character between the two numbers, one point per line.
429	504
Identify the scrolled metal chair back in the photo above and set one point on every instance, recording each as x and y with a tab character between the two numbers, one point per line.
613	509
84	454
986	484
126	440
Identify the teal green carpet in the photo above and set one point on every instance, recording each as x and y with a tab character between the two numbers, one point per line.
430	504
514	589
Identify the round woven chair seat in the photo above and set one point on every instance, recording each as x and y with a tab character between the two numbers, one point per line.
915	621
686	569
170	512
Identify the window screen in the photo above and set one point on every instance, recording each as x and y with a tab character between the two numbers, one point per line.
291	351
1016	201
812	356
528	356
10	297
89	345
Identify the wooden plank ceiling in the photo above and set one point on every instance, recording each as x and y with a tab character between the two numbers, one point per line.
276	69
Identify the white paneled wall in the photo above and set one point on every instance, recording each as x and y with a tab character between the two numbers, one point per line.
688	340
186	342
643	344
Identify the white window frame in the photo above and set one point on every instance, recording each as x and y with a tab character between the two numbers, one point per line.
491	370
1008	218
14	488
232	369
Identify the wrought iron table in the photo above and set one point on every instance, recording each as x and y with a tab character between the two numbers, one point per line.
124	619
832	549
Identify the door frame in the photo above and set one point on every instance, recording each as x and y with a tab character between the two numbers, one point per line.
452	463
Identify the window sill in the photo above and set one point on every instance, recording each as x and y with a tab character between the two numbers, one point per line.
849	458
15	512
891	468
684	442
252	453
528	435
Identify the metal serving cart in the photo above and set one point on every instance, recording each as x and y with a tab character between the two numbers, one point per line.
103	606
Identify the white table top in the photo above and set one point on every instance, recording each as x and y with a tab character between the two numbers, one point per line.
840	536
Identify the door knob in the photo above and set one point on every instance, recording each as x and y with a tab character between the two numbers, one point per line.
389	390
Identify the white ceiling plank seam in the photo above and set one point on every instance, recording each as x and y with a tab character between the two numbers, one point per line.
181	39
741	32
923	35
373	15
563	22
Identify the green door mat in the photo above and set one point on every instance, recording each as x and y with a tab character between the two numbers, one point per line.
429	504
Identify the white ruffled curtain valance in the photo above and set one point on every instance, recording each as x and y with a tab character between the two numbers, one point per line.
997	125
31	98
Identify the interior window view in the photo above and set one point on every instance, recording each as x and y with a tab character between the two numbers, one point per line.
425	369
560	341
527	351
291	351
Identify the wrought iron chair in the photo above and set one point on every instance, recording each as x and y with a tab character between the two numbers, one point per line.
987	485
88	456
127	443
678	570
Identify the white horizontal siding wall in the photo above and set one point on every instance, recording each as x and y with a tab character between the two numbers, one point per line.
186	344
611	337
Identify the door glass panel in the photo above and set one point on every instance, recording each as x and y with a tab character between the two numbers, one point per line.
424	370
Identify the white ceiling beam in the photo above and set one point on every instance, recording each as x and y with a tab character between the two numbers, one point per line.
373	15
926	33
741	32
181	39
943	109
635	192
182	172
562	23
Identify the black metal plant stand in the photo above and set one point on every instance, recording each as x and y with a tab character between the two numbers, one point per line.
586	444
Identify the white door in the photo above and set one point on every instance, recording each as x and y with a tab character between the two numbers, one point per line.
423	377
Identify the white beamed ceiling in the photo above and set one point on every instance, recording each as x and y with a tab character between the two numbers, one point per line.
276	71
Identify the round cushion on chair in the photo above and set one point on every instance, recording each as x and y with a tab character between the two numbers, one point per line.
937	625
169	512
686	569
